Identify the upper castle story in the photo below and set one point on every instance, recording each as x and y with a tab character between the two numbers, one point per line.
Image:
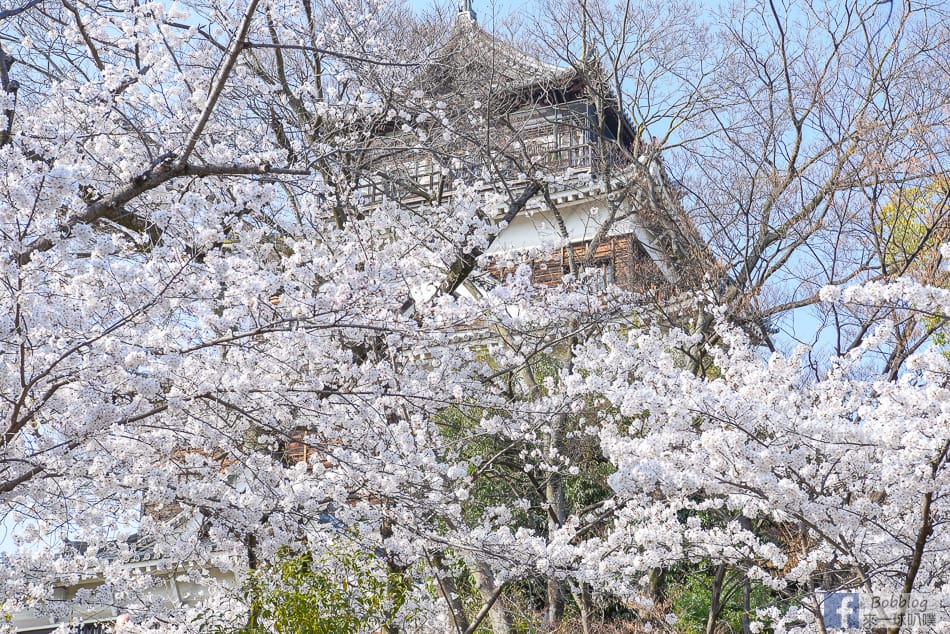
499	117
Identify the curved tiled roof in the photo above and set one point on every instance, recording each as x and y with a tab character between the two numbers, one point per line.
473	60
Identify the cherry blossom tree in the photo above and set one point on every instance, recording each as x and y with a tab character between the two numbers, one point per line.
221	352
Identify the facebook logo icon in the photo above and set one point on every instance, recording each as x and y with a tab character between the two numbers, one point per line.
841	610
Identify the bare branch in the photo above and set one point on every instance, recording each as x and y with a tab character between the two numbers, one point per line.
331	53
85	35
234	51
9	13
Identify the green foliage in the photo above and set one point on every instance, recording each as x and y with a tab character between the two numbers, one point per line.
692	597
346	593
912	225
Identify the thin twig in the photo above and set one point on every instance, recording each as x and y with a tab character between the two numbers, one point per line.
328	52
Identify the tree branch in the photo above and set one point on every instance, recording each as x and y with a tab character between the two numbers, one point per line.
85	35
10	87
112	207
9	13
234	50
330	53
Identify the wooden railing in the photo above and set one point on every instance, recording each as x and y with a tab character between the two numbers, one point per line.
406	182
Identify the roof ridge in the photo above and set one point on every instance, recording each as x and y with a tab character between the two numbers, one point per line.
518	60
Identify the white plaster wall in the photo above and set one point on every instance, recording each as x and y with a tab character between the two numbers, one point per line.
533	228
